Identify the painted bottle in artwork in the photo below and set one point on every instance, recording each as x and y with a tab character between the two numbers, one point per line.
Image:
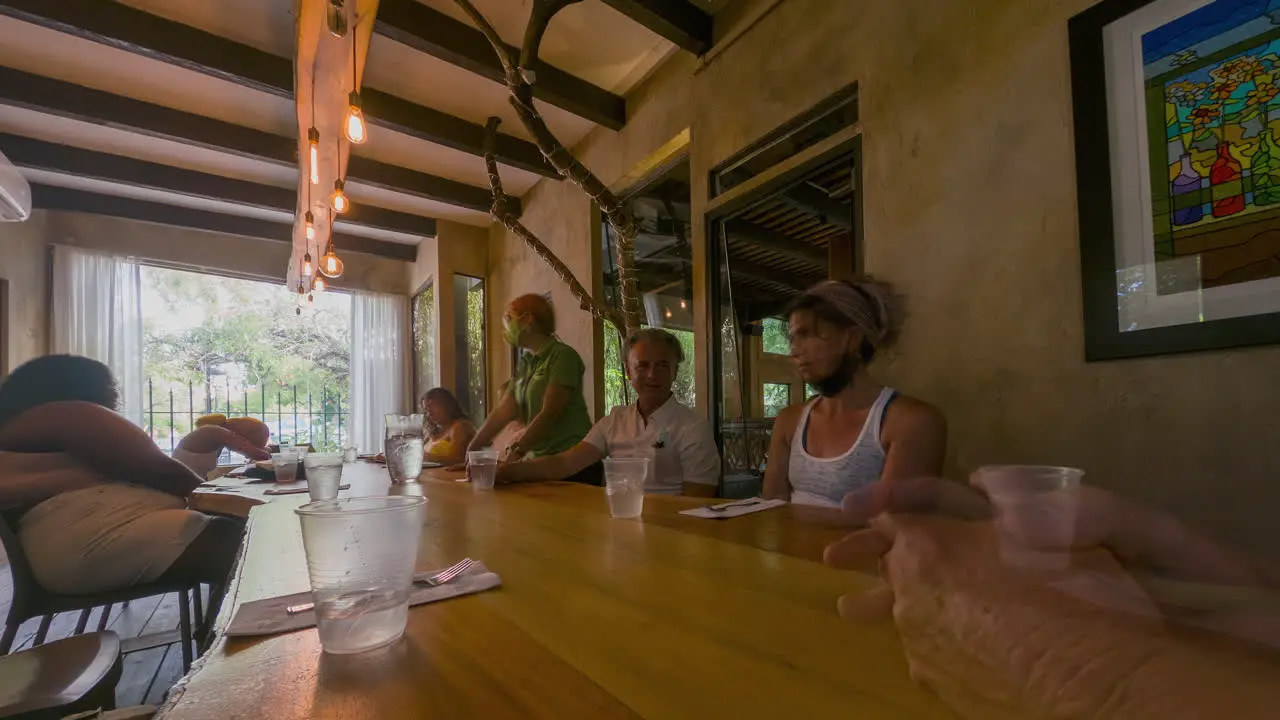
1266	170
1186	189
1224	179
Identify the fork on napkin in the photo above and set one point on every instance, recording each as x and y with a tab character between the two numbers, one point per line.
732	509
269	616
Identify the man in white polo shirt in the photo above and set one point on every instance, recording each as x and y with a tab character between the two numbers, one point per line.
682	452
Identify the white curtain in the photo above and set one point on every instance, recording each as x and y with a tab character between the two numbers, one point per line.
378	364
97	313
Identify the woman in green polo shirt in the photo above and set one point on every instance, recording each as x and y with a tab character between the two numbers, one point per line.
546	392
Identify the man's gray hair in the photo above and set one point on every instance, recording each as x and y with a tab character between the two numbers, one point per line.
657	336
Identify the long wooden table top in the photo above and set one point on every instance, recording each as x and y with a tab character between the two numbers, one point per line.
664	617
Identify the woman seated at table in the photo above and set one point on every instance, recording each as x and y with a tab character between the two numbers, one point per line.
449	432
545	395
200	448
97	505
856	431
681	449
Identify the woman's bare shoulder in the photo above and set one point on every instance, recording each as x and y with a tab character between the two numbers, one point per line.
912	415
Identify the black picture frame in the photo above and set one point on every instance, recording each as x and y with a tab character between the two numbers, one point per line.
1103	338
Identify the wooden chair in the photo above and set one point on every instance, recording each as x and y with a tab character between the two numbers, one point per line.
31	600
67	676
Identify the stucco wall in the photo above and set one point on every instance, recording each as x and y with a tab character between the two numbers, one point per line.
24	263
970	210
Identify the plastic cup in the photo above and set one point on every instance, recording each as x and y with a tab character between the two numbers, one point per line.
624	485
350	454
403	447
361	554
482	466
324	475
1036	508
285	464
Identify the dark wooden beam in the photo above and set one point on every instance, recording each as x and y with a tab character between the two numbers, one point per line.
811	200
779	243
74	102
679	21
80	163
134	31
48	197
432	32
786	283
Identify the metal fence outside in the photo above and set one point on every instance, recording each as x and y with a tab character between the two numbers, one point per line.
298	417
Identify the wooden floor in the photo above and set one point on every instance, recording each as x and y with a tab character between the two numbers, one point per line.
148	674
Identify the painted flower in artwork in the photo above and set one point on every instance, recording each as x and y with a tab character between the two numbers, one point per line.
1222	90
1187	94
1239	70
1262	94
1205	115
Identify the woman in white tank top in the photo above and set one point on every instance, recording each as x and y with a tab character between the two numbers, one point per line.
855	432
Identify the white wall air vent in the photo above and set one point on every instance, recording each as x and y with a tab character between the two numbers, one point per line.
15	193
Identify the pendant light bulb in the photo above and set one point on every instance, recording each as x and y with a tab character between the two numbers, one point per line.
306	264
338	200
684	305
313	140
310	221
318	285
331	265
357	131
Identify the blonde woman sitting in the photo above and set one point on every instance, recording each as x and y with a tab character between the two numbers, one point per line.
200	449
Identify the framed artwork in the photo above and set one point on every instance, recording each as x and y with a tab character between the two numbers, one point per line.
1177	120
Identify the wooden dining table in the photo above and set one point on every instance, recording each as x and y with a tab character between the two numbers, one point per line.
664	616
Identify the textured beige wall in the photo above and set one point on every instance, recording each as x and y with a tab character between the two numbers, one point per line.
24	262
970	209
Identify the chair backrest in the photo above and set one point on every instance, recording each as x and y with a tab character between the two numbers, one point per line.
28	595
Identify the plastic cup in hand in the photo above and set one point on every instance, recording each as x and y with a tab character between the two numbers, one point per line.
482	466
404	447
361	554
324	475
1036	508
624	485
285	464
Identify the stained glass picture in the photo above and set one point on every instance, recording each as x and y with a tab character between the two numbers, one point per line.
1177	107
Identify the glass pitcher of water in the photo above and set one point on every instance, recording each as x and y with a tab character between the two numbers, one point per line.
404	447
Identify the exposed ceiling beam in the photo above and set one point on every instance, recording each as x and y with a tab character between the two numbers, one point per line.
679	21
810	199
141	33
779	243
48	197
432	32
74	102
76	162
787	282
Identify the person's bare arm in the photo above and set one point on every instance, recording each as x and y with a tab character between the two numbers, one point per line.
504	413
101	439
554	401
551	467
213	438
915	439
777	483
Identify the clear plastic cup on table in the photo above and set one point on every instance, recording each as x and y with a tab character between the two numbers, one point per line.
404	447
350	454
361	554
624	480
1036	508
324	475
285	465
482	468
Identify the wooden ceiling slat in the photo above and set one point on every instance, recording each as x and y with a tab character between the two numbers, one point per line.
76	162
47	197
141	33
679	21
74	102
430	31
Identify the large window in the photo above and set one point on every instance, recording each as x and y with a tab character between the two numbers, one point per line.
468	324
776	396
774	336
243	348
664	266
